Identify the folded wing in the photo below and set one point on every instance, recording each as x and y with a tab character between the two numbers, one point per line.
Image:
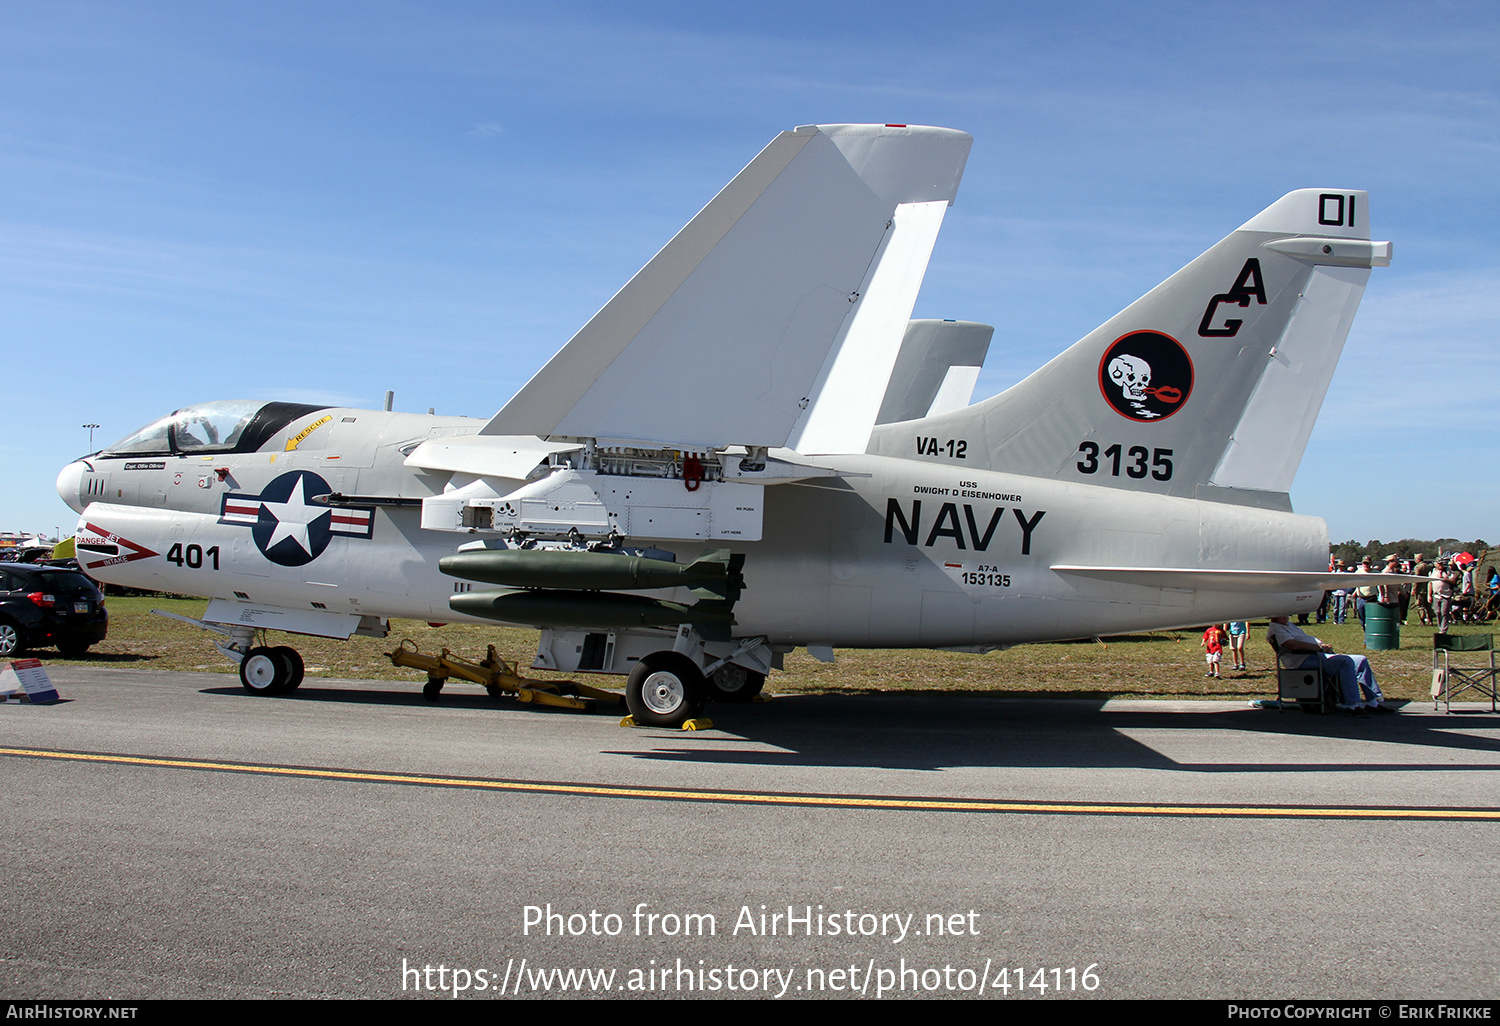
795	282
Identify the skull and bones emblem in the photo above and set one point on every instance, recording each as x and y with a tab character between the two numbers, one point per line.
1133	377
1146	375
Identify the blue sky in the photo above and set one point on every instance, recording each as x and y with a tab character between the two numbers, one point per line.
320	202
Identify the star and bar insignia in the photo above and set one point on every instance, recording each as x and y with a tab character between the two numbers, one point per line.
288	527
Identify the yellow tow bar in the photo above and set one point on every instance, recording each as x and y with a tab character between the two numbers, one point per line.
498	677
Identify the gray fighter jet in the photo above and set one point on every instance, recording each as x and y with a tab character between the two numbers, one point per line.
752	447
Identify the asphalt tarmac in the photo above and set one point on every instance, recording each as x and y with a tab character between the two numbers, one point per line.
169	835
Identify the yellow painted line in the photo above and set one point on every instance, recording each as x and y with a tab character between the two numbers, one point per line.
851	801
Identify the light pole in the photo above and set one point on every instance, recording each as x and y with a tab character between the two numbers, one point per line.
91	435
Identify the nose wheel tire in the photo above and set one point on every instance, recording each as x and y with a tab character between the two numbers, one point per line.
269	671
731	683
664	690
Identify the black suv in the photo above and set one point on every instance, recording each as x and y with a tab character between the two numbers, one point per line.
45	605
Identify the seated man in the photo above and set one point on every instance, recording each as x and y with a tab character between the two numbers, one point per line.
1353	673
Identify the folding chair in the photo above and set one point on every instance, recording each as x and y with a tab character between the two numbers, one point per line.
1449	680
1311	688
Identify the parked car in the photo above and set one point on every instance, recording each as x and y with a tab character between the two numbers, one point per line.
45	605
29	554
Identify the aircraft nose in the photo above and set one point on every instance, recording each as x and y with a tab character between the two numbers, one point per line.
70	485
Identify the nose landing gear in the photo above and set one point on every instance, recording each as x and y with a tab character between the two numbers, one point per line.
271	671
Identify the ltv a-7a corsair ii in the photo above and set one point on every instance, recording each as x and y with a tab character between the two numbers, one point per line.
751	447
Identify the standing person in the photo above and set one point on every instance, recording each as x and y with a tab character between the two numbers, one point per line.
1213	648
1327	595
1366	592
1420	592
1404	594
1464	602
1340	596
1389	595
1238	631
1444	580
1299	650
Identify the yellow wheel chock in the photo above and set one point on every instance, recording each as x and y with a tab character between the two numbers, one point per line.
696	723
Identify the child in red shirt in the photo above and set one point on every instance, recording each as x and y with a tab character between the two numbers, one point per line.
1213	648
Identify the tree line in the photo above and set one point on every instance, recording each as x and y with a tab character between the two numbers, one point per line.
1352	551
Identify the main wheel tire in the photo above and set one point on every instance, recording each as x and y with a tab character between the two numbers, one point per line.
294	665
732	683
12	641
664	690
264	672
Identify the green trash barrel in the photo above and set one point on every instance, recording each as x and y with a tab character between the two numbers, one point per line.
1382	629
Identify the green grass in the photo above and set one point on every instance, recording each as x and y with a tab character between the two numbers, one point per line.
1159	665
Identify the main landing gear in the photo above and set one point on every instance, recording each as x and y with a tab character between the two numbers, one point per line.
670	674
665	689
734	683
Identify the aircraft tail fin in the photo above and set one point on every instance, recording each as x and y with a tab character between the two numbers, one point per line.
1208	386
794	283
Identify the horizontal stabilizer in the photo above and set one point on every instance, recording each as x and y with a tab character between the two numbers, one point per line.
728	334
1248	582
936	370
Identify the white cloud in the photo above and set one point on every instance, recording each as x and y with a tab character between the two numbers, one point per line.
1421	356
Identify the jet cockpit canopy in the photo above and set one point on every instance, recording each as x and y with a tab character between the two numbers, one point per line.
228	425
